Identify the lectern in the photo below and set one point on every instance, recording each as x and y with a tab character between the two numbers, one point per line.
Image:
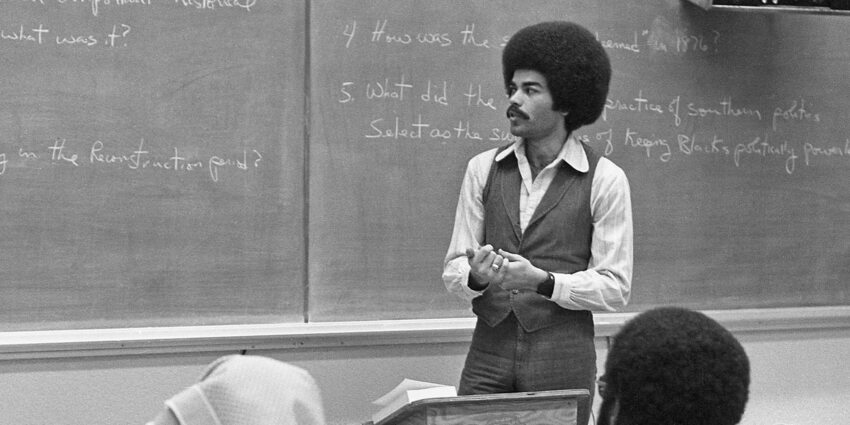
528	408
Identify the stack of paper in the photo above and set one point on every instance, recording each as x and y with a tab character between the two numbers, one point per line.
407	392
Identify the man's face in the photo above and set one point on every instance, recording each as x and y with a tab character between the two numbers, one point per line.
531	112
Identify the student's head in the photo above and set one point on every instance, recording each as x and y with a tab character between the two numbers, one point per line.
674	366
573	62
246	390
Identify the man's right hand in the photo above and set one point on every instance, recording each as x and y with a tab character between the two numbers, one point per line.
486	265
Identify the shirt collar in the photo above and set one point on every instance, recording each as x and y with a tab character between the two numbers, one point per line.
572	153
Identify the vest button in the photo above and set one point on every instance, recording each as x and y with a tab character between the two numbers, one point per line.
515	291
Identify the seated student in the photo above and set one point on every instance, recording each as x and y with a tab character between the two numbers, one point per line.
246	390
674	366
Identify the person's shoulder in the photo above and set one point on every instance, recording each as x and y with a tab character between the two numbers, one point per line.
482	160
488	154
608	171
608	166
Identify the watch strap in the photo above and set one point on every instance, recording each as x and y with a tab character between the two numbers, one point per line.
547	287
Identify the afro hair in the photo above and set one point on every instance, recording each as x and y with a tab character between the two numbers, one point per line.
671	365
574	63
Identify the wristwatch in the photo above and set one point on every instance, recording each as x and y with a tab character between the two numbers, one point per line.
547	287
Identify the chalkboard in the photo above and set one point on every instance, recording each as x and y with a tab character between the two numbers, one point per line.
732	128
251	161
151	163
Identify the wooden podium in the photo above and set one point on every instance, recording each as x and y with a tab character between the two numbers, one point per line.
530	408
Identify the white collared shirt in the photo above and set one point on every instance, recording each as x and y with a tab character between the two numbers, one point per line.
606	284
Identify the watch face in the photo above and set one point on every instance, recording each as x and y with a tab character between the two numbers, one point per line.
547	287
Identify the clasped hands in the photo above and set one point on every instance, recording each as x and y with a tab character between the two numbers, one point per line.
506	269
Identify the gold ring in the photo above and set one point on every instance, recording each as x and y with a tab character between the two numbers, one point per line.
495	266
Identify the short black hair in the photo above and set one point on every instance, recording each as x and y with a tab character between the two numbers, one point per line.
574	63
671	365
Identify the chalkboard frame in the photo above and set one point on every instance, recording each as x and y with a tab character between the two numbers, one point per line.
303	336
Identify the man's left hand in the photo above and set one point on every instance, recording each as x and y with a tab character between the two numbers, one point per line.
520	273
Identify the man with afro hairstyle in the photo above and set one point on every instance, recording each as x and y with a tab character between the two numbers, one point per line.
673	366
543	227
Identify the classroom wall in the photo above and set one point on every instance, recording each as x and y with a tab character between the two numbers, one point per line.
799	377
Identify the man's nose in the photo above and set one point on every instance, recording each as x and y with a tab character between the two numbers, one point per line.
515	98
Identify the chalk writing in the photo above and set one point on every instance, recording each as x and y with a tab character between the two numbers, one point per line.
439	95
657	126
637	104
26	154
41	35
796	112
93	5
398	89
634	139
380	34
762	147
387	90
810	151
24	34
664	39
118	32
631	45
140	158
679	109
690	42
419	129
59	154
657	144
469	39
216	163
383	34
693	145
72	40
677	41
345	92
349	32
724	108
211	5
201	5
475	98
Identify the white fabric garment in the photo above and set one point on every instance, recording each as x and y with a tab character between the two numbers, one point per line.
249	390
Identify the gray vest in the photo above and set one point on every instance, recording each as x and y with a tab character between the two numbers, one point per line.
557	239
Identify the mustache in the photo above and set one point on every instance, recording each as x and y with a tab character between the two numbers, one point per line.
514	110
